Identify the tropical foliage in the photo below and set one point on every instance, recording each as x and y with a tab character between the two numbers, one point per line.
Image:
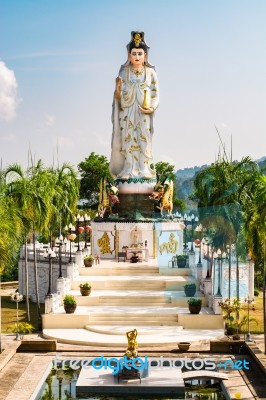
91	170
33	202
164	171
231	199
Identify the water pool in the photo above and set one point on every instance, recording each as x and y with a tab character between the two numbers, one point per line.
61	385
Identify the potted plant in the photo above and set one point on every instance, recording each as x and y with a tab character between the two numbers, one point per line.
229	307
194	305
21	328
181	260
85	289
88	260
190	289
70	304
183	346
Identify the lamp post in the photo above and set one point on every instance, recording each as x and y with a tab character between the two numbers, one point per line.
199	229
16	297
220	257
186	223
249	301
229	270
60	242
87	220
207	242
193	221
50	254
70	228
80	229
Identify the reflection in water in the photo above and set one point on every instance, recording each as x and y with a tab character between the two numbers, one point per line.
61	385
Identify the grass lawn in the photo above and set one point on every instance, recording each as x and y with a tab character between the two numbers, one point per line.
257	313
9	313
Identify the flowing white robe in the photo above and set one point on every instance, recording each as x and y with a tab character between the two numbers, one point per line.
133	130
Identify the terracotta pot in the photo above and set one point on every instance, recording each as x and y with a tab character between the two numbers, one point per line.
183	346
88	263
85	291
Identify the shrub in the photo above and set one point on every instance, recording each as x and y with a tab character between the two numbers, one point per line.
85	285
69	299
89	258
23	327
181	257
256	292
194	302
190	286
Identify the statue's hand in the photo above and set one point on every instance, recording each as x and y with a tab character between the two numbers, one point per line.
118	88
146	110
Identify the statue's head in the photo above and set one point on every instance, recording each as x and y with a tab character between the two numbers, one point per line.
137	50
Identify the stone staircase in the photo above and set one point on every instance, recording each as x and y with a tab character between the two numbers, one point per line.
134	319
131	295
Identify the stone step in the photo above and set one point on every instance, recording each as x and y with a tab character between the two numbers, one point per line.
125	297
134	301
142	329
130	270
156	337
135	270
139	284
134	282
130	316
134	319
123	271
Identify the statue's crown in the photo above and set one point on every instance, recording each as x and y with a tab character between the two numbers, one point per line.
137	38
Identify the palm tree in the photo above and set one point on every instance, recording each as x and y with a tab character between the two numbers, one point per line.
224	191
255	233
63	197
10	227
30	191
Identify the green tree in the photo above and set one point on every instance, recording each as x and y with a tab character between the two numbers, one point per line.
164	170
91	170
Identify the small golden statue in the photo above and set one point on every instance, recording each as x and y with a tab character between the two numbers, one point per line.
132	347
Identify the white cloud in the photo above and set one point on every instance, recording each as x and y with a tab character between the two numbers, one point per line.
8	93
50	120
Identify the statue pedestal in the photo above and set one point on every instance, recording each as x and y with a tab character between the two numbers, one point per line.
134	206
134	202
135	186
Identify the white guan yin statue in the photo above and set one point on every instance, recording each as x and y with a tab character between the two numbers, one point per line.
136	98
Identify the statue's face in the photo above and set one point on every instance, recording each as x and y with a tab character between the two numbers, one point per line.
137	57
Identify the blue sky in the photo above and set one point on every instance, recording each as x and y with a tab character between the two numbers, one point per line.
59	60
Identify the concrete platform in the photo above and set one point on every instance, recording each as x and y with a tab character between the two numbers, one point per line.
155	382
153	337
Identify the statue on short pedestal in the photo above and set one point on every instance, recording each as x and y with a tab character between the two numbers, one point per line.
132	348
